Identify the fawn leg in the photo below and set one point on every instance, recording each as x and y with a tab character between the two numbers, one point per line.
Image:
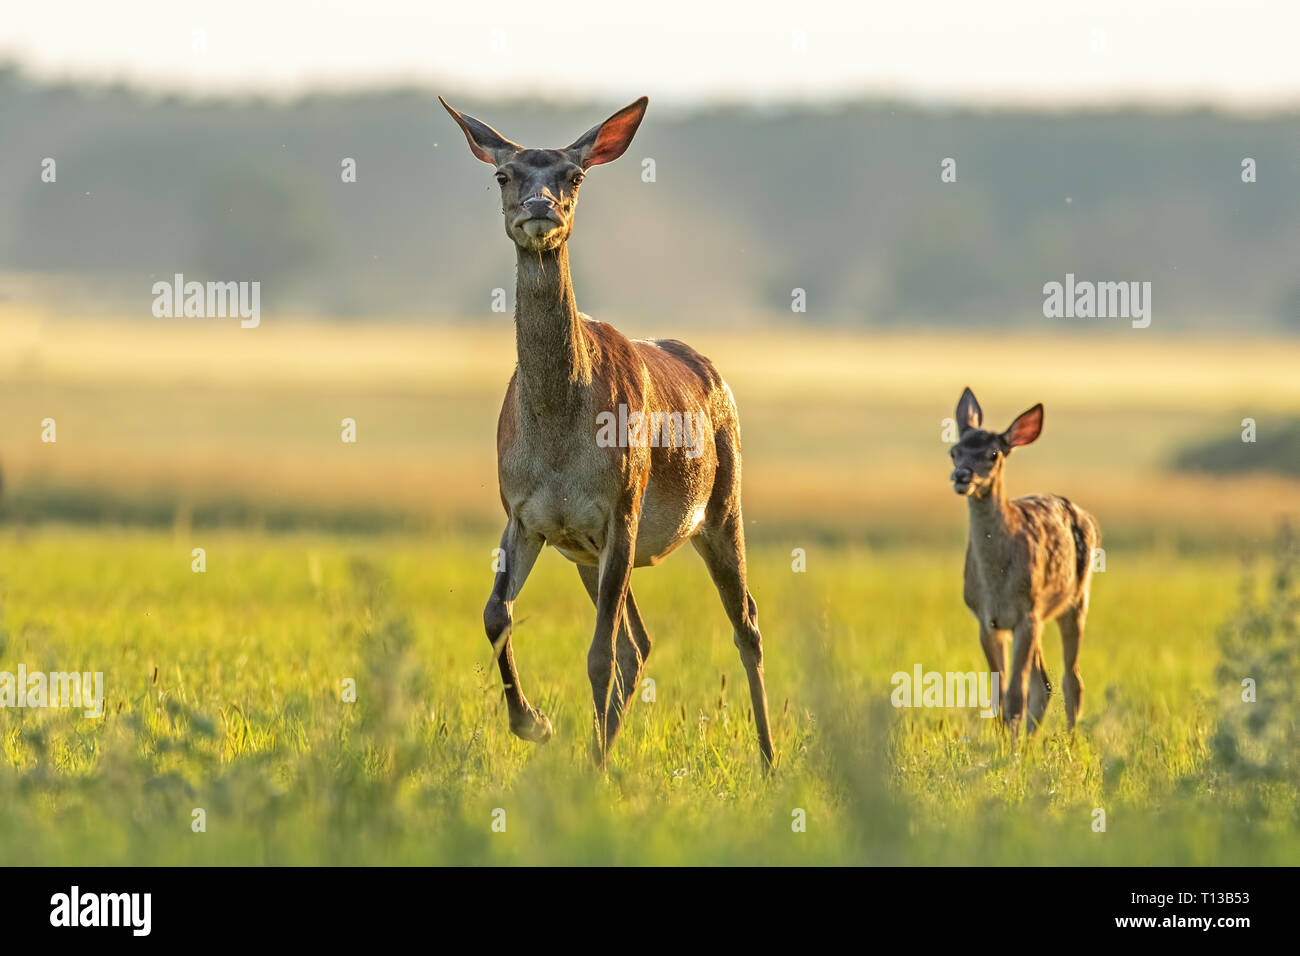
1071	625
1024	645
995	648
1040	690
519	550
995	645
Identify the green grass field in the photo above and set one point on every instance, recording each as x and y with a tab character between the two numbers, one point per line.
329	562
223	692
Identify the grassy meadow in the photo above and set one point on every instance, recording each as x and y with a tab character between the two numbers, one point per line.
370	562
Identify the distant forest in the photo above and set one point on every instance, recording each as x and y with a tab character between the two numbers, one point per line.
844	202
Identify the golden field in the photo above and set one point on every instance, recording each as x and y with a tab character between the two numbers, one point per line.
842	430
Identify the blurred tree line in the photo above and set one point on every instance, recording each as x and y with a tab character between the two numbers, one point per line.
738	208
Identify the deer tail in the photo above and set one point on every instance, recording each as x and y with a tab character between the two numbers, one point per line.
1086	536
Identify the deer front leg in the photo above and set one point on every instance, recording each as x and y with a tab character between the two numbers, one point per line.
995	644
1024	648
519	551
610	684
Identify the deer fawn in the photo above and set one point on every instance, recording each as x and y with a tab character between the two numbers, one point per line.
1028	561
606	506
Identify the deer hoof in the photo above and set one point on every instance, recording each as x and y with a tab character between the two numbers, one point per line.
532	726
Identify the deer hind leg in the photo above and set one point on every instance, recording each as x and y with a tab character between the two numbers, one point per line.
723	550
519	551
631	649
1071	625
1040	690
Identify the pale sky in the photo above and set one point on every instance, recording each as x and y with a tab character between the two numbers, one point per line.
1239	54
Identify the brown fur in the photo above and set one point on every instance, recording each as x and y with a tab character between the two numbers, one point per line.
1029	561
607	509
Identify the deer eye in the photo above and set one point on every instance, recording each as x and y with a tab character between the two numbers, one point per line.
502	178
578	178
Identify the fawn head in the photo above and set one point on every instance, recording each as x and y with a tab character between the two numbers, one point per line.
978	455
539	187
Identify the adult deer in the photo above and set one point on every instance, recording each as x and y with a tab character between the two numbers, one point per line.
606	506
1028	561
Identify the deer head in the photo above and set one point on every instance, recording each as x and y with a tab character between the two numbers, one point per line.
539	187
978	456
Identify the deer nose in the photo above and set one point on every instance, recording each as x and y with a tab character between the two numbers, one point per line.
539	206
962	476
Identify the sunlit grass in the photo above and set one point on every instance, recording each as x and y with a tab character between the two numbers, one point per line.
224	693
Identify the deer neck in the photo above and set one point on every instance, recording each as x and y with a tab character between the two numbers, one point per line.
554	365
991	523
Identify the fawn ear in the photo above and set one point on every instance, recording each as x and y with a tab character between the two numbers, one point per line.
484	142
1026	428
969	413
608	141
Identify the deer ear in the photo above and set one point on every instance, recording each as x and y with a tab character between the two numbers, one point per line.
608	141
1026	428
484	142
969	413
